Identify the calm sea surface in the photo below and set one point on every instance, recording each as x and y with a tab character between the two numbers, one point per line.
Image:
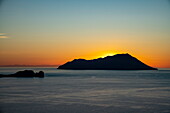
86	91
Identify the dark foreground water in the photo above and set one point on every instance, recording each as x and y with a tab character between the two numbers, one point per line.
95	91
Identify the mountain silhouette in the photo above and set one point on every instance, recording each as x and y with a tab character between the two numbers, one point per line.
116	62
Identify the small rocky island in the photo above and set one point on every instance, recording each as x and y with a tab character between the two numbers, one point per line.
116	62
25	73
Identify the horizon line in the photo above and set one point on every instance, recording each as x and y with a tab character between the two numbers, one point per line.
24	65
46	65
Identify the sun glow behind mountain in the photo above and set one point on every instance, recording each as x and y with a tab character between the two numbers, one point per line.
53	32
107	54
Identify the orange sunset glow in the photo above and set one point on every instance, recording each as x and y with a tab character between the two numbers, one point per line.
54	33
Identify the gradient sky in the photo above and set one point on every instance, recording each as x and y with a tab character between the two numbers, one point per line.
38	32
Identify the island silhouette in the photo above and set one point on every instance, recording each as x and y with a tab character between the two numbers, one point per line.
116	62
25	73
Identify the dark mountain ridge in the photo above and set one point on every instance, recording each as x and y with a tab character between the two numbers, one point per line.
116	62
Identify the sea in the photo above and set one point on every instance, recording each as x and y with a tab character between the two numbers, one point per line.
85	91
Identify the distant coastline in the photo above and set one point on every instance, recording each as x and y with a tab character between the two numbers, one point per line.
29	65
56	66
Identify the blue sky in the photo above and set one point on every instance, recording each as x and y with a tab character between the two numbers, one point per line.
83	14
90	25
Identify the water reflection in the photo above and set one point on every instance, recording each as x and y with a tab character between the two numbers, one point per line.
91	92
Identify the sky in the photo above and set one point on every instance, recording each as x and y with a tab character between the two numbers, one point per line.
52	32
